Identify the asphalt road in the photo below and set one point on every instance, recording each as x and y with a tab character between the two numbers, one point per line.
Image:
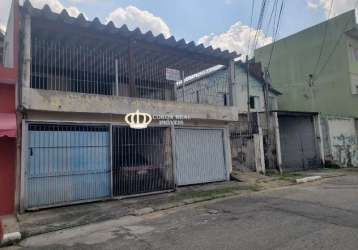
323	215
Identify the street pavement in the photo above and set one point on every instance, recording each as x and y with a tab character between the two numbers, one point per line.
320	215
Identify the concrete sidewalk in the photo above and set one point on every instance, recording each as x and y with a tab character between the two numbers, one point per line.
49	220
320	215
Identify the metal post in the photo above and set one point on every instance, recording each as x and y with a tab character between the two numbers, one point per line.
174	158
176	85
111	155
116	87
131	65
182	76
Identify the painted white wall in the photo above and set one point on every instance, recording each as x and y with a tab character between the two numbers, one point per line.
211	89
343	140
256	89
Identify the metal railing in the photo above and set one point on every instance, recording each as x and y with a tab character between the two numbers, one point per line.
142	160
107	71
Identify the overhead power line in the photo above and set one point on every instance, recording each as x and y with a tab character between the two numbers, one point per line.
259	22
323	40
272	16
251	20
275	33
335	46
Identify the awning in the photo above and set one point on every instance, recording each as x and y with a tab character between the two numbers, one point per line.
7	125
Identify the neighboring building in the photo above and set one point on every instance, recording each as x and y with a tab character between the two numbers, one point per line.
8	133
289	141
212	87
75	90
329	87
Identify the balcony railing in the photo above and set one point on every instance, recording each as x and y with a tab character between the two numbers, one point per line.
79	68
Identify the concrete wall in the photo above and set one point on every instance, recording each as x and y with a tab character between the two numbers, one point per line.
217	83
208	90
295	57
45	100
11	45
271	140
341	141
256	89
243	152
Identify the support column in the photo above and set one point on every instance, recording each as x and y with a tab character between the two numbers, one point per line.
182	78
318	127
231	81
24	154
26	67
278	142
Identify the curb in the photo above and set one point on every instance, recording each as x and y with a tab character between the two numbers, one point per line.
10	239
7	239
308	179
139	212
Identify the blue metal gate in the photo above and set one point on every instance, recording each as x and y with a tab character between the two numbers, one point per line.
67	164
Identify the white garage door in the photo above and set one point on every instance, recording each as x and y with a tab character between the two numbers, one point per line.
200	155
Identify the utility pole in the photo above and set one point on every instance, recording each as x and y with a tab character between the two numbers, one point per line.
270	131
266	97
248	95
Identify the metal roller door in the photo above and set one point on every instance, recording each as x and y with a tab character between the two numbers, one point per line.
66	164
298	143
200	156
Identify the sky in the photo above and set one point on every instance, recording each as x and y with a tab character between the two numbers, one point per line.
223	24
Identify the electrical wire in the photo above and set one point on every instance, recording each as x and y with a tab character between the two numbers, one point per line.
272	15
335	46
275	33
251	20
259	22
323	40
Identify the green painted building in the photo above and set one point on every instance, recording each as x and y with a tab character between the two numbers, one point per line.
329	86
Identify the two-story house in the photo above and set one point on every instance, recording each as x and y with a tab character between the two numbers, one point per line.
316	69
264	137
82	81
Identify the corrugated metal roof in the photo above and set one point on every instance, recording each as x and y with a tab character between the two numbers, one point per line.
254	70
123	31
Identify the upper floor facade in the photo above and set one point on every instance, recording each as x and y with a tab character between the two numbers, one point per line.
74	65
317	69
